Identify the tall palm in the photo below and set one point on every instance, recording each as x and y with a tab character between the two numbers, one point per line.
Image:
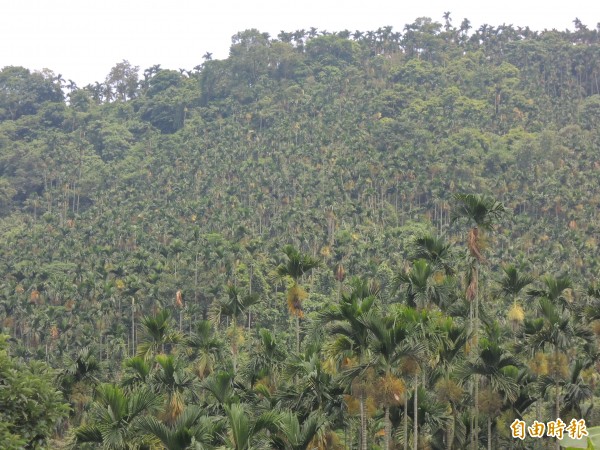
234	305
191	427
174	381
492	363
422	287
435	250
555	331
295	434
391	341
203	348
245	432
480	212
295	267
511	284
350	336
157	332
115	416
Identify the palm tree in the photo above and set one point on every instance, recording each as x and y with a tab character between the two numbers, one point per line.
350	337
391	342
244	432
422	287
266	360
157	332
173	380
234	305
139	370
115	416
296	436
191	427
492	363
312	386
435	250
295	267
511	284
557	331
220	386
480	211
203	348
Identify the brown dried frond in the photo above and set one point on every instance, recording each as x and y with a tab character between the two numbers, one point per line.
473	285
474	244
179	299
174	408
340	273
34	296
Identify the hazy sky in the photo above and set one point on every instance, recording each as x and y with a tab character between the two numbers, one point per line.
83	39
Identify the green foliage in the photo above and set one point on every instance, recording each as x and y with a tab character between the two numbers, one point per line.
30	404
139	209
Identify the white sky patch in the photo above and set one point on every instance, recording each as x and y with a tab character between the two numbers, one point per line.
84	39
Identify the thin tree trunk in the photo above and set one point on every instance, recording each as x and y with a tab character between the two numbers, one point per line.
450	431
489	436
234	349
387	428
406	422
363	421
132	326
415	414
297	334
476	413
557	406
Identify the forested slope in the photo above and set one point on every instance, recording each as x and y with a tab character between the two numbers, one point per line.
171	196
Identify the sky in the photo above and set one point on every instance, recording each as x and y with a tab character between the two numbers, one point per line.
83	39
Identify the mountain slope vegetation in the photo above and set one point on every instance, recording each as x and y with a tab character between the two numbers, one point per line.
239	255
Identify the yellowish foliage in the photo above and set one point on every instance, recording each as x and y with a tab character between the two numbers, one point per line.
558	365
352	404
326	441
295	297
516	314
539	364
391	390
490	402
596	327
448	390
409	366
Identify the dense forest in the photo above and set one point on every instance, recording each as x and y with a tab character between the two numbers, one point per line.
329	240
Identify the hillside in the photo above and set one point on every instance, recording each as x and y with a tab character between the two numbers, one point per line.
351	148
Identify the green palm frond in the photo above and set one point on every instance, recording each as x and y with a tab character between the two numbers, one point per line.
482	210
